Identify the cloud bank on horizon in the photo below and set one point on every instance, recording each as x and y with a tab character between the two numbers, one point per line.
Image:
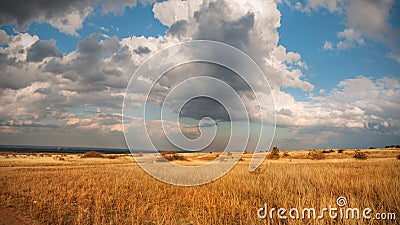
50	96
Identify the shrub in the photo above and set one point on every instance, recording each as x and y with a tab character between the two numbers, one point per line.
93	154
340	151
172	156
360	155
328	151
274	154
392	146
286	154
315	155
398	157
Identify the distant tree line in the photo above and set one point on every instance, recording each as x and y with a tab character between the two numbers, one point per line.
392	146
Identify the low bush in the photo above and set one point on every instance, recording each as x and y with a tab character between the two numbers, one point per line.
360	155
315	155
93	154
172	156
274	154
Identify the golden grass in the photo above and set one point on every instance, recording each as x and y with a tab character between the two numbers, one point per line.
117	191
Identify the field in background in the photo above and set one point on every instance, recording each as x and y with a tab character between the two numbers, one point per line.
113	189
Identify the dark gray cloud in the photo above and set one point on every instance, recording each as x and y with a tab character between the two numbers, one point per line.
142	50
15	75
42	49
54	66
201	107
214	25
89	71
24	12
179	28
286	112
5	60
90	48
66	15
123	55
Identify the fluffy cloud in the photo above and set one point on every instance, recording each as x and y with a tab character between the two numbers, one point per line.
360	103
42	49
328	45
39	85
4	38
371	18
358	109
348	39
351	39
250	26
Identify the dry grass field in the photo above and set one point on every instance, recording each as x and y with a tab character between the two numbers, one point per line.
71	189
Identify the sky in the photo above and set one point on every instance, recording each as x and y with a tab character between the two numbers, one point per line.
333	67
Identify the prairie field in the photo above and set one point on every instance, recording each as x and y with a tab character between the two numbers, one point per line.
114	189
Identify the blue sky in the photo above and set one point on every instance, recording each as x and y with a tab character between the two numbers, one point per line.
329	59
306	33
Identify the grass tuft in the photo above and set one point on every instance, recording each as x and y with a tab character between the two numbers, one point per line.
360	155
